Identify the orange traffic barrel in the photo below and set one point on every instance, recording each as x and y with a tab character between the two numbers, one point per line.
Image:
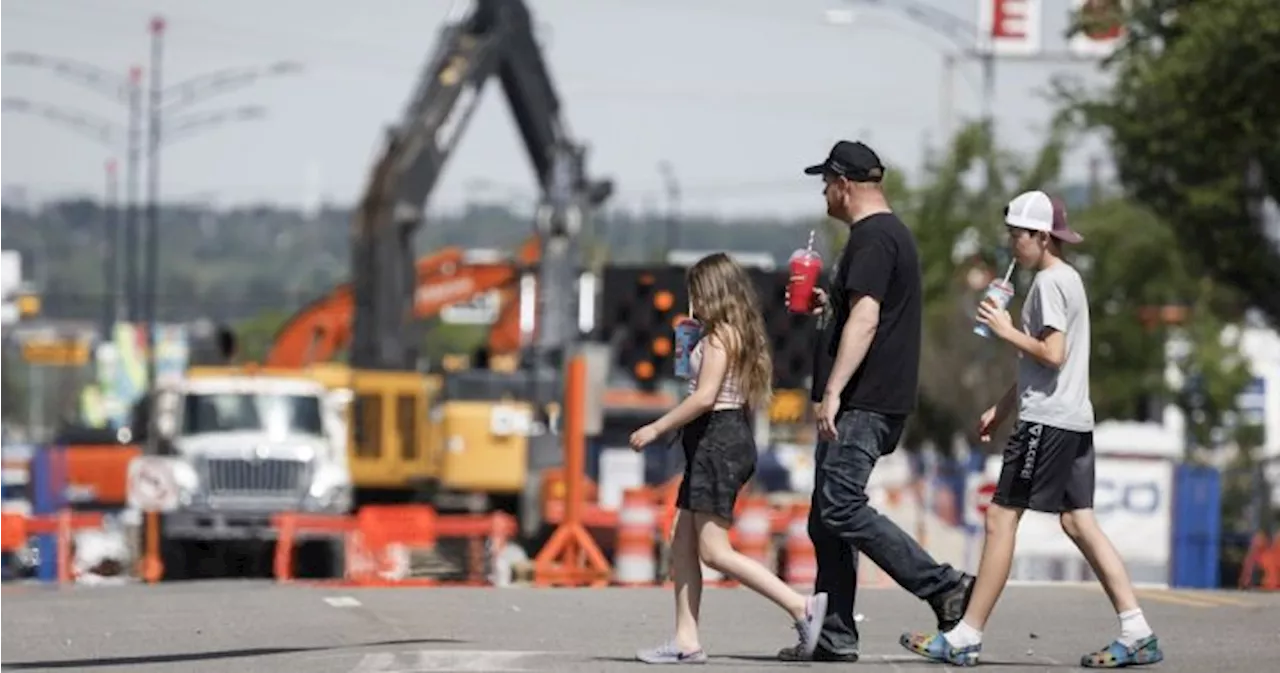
634	563
752	528
802	562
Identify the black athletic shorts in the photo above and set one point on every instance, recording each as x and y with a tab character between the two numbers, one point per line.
1046	469
719	459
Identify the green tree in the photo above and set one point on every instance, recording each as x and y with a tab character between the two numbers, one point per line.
961	239
255	335
1134	268
1194	123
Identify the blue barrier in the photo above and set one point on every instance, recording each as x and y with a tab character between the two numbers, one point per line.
48	496
1197	527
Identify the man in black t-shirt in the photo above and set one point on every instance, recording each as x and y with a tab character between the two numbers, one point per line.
866	366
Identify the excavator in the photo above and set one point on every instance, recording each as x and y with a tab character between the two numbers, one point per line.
321	330
480	438
312	338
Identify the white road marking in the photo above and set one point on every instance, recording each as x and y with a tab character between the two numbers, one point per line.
376	663
342	601
427	661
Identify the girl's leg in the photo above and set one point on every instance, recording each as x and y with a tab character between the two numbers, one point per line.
686	574
716	551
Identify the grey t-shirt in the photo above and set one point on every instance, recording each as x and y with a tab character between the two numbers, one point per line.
1060	398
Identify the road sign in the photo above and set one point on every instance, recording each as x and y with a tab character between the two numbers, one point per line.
151	485
56	352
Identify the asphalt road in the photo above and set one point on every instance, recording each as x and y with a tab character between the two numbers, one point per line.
258	626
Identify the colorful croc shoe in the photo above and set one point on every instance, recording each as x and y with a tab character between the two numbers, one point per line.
934	646
1117	655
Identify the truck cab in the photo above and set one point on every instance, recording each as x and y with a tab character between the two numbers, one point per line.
246	447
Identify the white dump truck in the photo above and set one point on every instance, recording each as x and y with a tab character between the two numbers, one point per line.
244	447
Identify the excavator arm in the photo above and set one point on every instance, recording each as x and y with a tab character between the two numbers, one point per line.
490	37
321	329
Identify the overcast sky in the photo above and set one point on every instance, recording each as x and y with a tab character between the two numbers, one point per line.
738	95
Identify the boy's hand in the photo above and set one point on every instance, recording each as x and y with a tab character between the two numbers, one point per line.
997	319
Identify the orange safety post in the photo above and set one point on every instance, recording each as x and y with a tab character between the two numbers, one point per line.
802	561
1271	565
571	557
152	563
286	527
1255	558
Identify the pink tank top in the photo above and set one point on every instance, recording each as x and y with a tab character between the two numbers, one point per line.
730	395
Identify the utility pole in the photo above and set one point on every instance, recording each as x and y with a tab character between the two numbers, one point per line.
672	186
127	90
112	301
133	156
153	195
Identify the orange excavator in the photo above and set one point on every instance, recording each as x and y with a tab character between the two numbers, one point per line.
322	329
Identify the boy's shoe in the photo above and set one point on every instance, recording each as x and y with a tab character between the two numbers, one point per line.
1117	655
934	646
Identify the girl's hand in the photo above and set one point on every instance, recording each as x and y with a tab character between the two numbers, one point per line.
643	437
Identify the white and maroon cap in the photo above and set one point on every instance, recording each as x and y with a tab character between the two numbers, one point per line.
1036	211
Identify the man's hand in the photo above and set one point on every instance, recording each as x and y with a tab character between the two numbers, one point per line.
997	319
988	422
643	437
817	304
826	413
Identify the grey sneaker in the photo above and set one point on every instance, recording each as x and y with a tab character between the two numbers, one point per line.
669	653
809	628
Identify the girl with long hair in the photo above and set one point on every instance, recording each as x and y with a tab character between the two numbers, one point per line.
731	373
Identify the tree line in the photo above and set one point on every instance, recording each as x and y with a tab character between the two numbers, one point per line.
1176	247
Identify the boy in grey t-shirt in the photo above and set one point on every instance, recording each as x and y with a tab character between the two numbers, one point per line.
1049	461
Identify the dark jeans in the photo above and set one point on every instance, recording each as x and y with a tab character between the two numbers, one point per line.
842	524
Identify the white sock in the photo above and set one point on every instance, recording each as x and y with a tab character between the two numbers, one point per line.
963	635
1133	627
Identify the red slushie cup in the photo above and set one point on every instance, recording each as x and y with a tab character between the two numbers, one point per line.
806	268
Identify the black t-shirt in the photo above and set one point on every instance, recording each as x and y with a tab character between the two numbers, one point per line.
880	260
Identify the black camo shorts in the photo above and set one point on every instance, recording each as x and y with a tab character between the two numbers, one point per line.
719	459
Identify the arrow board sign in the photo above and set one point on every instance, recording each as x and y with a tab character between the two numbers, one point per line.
152	487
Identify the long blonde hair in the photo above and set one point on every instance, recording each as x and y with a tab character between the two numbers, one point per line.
726	301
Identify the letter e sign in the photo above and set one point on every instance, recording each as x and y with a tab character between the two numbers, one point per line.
1009	27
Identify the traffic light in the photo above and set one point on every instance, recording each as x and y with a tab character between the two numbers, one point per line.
641	306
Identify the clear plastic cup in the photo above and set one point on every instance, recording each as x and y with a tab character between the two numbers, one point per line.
1000	292
687	333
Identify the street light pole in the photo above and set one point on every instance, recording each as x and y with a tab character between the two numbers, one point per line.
128	90
133	152
153	195
112	303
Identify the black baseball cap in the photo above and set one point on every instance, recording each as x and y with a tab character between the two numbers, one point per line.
852	160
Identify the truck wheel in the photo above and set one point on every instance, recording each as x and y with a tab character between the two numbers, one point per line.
176	557
318	559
